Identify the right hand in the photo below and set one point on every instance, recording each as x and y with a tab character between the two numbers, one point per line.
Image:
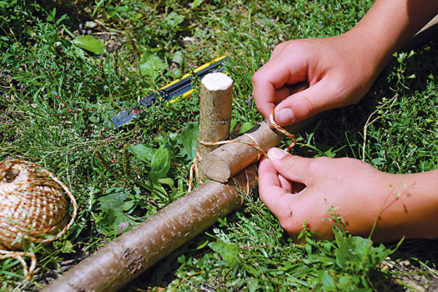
339	71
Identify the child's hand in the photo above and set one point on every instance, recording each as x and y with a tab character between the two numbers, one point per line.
338	70
359	193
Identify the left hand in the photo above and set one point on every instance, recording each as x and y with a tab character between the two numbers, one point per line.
358	192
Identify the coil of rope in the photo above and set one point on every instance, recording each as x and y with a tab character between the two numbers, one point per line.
33	207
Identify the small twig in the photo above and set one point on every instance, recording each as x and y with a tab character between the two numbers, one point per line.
185	279
252	143
368	123
105	32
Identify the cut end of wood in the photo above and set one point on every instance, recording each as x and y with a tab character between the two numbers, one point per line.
217	81
215	168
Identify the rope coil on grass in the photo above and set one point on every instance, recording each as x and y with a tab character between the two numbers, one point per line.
33	206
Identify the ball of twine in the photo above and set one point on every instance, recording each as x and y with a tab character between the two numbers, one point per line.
33	207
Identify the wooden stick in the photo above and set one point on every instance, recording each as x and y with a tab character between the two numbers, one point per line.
222	163
433	22
427	33
215	110
123	259
229	159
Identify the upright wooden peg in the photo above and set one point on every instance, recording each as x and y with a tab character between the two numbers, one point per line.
215	110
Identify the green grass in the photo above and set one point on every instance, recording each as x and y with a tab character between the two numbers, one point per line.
57	100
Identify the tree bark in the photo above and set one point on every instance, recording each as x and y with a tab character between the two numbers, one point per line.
123	259
229	159
215	110
222	163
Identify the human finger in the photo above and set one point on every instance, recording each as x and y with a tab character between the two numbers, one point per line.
273	76
285	183
278	49
281	94
287	90
308	102
271	192
292	167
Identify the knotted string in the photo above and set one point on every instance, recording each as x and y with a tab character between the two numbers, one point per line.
282	130
254	144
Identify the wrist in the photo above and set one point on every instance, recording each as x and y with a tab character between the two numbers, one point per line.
409	205
388	24
371	54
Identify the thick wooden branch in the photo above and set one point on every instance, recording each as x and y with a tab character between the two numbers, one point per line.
215	110
123	259
222	163
229	159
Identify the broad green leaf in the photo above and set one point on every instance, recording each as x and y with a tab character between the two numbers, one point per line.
228	251
345	282
178	57
196	3
189	140
341	255
90	43
158	190
117	200
142	152
160	164
328	283
174	19
108	225
246	126
151	66
167	181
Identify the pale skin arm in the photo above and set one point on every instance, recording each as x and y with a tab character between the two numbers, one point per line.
339	71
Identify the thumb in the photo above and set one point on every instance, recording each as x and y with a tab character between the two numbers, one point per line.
304	104
292	167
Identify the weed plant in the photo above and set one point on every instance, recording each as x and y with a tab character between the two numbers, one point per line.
66	67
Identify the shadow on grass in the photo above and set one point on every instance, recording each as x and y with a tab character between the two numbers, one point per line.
414	265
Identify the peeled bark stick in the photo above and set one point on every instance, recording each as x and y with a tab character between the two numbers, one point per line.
427	33
125	258
229	159
215	110
222	163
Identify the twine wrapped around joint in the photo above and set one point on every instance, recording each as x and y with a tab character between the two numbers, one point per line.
224	162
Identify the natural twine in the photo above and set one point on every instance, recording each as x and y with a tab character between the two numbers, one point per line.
28	271
253	143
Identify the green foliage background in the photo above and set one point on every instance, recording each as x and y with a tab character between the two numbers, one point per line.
66	67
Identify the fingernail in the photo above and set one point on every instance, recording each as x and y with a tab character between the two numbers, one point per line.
284	116
276	153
